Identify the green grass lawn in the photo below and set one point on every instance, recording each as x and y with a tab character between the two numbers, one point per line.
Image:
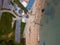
5	29
22	28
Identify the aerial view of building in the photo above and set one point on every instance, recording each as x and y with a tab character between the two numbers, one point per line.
29	22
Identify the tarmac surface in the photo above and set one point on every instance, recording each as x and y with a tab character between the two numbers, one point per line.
50	31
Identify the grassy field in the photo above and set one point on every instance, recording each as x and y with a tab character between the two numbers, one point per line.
6	30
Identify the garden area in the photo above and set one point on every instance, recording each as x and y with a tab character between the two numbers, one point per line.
7	33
